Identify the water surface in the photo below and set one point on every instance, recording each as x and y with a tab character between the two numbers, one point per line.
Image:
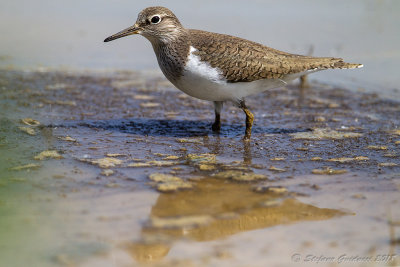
320	177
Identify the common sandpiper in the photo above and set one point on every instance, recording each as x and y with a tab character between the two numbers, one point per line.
219	67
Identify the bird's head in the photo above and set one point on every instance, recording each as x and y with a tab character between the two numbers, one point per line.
157	24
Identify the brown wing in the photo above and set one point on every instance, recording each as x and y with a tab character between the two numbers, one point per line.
244	61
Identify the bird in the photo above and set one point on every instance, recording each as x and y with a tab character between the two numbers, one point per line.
219	67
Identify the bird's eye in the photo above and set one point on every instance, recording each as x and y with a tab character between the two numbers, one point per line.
155	20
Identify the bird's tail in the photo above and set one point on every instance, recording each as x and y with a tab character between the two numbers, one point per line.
324	63
344	65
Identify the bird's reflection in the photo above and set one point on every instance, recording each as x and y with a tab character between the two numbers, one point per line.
215	209
216	147
247	157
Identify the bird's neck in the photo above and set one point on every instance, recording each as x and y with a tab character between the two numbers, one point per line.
172	54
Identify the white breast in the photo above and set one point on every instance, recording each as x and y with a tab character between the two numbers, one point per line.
197	69
202	81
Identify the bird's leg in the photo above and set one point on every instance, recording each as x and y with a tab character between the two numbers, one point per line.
217	123
249	119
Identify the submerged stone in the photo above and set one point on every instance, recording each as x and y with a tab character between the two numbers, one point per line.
161	177
173	186
180	221
316	158
377	147
52	154
139	165
276	169
107	172
324	133
206	167
277	159
149	105
328	171
154	163
161	163
27	130
143	97
67	138
169	183
241	176
344	160
190	140
114	155
271	189
107	162
202	158
170	157
388	164
30	122
395	131
26	167
391	155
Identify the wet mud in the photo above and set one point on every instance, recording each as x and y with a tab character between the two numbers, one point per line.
129	167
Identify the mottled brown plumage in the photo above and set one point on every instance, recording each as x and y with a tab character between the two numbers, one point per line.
246	61
219	67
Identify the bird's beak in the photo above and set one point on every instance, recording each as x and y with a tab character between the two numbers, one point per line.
128	31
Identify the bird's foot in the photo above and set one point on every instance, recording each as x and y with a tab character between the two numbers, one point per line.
216	127
249	121
247	137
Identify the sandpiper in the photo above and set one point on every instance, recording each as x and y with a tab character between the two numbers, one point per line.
218	67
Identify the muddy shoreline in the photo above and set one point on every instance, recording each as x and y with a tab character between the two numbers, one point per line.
318	157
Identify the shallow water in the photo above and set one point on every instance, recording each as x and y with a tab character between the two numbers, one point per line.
106	203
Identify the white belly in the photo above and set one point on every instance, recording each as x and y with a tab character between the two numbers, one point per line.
205	89
202	81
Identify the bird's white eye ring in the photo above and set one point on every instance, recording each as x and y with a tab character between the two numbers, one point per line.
155	19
